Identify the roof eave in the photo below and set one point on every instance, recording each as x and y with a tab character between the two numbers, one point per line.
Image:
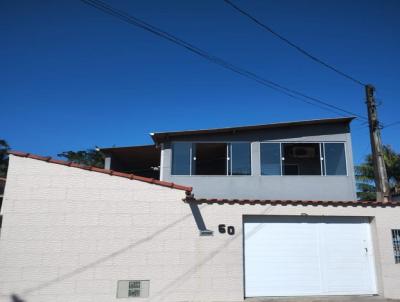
159	137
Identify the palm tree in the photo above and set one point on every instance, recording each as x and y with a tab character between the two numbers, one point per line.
365	174
4	147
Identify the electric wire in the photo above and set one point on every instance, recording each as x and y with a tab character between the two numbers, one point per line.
301	50
295	46
100	5
391	124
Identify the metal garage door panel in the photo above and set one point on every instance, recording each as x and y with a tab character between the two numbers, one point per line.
347	258
297	256
295	251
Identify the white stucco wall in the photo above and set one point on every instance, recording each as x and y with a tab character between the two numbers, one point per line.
70	234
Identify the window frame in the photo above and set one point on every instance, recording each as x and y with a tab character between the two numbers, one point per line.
229	157
322	157
396	245
345	157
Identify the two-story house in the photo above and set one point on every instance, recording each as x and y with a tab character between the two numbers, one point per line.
307	160
204	215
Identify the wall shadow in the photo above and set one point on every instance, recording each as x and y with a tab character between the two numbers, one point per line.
105	258
162	295
15	298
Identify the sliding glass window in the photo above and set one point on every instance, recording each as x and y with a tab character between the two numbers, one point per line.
239	159
181	158
211	158
303	159
335	159
270	159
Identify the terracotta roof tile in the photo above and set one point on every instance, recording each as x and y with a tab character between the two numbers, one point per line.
99	170
342	203
191	198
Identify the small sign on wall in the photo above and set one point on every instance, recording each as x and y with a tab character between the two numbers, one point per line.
133	288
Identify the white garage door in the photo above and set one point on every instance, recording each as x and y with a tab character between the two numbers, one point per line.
300	256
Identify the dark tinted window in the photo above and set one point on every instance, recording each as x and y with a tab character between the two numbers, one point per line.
301	159
335	159
240	159
210	159
181	158
270	159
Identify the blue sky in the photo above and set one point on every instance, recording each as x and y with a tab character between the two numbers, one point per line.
73	77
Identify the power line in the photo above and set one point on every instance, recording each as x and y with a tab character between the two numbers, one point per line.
391	124
363	127
216	60
295	46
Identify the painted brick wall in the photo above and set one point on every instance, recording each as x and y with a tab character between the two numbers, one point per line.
70	234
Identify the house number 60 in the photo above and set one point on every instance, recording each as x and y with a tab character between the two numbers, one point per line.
223	229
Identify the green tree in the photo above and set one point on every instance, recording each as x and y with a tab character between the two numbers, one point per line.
89	157
4	147
365	174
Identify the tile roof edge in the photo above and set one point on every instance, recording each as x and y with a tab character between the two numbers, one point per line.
345	203
104	171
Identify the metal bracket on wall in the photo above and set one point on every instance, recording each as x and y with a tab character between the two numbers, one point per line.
206	233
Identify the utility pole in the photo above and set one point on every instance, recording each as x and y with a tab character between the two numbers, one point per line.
381	180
